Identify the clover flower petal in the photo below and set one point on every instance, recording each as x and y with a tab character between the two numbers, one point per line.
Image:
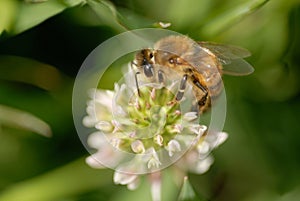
173	146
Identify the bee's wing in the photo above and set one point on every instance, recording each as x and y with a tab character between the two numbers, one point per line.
231	57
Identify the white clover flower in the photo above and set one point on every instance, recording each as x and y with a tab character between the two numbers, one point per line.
142	133
101	101
151	158
173	146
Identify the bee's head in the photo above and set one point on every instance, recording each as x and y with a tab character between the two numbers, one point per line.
144	60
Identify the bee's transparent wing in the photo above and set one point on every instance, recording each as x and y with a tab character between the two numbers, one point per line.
238	67
231	57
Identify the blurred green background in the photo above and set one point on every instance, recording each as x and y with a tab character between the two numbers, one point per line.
43	44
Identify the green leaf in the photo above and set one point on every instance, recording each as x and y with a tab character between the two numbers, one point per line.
134	20
32	72
184	16
23	120
8	10
64	182
226	19
187	192
107	13
32	14
35	1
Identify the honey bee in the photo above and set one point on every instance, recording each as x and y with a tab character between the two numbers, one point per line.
200	64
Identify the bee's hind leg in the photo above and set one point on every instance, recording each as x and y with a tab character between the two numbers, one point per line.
182	87
202	101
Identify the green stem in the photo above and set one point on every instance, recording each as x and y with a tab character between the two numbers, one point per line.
71	179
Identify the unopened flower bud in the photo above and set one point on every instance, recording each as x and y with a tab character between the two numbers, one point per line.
138	147
104	126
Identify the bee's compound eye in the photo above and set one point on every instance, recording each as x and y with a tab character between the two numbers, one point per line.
148	70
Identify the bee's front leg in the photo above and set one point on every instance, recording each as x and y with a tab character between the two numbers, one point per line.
136	79
137	83
182	87
160	75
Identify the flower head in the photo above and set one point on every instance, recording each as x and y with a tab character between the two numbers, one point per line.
141	132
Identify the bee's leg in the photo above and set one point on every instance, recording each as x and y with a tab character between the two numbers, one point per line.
182	87
202	101
160	75
136	80
137	83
